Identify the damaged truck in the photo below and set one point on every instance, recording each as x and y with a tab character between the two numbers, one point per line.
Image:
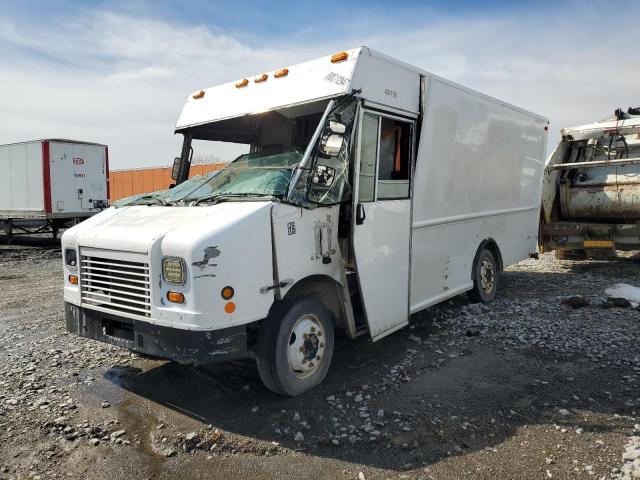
591	189
371	190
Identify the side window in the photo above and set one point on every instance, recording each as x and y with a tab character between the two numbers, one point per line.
395	153
368	157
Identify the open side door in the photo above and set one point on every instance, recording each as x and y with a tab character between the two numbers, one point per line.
382	220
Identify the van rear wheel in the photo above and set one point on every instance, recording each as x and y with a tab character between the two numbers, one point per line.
295	346
486	275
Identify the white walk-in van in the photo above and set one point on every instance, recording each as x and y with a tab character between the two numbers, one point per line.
371	190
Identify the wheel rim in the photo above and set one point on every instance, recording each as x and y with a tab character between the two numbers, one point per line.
306	347
487	275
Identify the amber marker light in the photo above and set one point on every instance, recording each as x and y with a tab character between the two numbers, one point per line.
198	95
175	297
229	307
243	83
339	57
73	279
227	293
281	73
261	78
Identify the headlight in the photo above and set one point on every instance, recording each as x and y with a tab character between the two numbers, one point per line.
173	270
70	257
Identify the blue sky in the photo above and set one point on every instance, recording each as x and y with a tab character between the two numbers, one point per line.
118	72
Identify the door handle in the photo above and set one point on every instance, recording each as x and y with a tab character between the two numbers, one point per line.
360	214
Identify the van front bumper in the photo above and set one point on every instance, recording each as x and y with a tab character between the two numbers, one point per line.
183	346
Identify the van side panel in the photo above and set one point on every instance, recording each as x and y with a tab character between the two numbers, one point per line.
478	175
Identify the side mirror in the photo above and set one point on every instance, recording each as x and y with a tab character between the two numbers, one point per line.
323	176
332	139
176	168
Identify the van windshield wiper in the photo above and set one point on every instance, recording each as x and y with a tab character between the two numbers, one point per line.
158	200
221	197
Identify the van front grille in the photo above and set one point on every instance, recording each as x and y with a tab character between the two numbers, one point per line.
116	285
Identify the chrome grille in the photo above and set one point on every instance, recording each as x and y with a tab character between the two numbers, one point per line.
116	285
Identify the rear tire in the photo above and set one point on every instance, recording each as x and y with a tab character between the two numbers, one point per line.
295	346
486	276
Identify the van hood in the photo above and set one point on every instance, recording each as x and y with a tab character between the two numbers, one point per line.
137	228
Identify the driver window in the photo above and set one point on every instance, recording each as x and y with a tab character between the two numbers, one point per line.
393	166
385	143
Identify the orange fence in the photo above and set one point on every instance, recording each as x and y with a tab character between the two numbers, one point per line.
124	183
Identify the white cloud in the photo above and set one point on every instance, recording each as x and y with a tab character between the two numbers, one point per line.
122	80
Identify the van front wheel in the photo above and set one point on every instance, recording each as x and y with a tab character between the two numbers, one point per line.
486	275
295	346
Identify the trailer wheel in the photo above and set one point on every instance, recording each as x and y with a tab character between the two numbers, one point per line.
486	276
295	346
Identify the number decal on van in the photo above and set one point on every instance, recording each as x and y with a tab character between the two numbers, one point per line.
291	228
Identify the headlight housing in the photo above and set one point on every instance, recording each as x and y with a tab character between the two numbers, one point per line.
174	270
70	257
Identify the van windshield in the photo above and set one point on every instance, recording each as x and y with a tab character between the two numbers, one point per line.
258	174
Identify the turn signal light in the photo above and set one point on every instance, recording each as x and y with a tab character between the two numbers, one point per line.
227	293
198	95
281	73
175	297
243	83
261	78
339	57
229	307
73	279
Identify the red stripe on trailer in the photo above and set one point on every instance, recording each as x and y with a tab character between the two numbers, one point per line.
106	165
46	176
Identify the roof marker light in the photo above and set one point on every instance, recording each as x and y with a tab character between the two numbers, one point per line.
339	57
261	78
198	95
281	73
242	83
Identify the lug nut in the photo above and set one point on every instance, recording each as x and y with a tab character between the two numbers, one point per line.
313	329
311	364
322	345
319	333
301	349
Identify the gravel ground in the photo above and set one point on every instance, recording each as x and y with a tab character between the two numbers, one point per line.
541	383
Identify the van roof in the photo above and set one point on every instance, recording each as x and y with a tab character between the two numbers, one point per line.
313	81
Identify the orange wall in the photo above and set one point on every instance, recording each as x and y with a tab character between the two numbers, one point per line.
124	183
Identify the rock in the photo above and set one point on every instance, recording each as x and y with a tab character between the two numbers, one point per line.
564	412
296	417
414	338
335	441
117	434
105	404
612	302
192	437
299	437
358	398
331	398
95	442
169	452
576	301
548	461
254	409
380	413
361	476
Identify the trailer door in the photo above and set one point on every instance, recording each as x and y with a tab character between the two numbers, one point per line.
382	223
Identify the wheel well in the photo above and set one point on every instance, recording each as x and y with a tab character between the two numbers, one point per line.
492	246
326	290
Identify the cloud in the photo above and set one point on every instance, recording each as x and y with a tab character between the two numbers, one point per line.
122	79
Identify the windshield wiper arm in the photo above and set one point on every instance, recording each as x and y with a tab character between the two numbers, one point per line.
159	200
221	197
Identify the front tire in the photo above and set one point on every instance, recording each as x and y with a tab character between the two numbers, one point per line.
295	346
486	276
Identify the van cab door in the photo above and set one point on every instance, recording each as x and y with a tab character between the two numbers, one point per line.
382	223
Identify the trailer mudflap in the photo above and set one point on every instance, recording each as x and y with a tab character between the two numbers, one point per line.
183	346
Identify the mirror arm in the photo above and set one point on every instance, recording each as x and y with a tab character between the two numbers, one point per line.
306	159
185	158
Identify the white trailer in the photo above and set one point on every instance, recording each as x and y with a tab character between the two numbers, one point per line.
373	190
48	184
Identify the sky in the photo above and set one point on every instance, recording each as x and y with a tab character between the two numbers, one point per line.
118	72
